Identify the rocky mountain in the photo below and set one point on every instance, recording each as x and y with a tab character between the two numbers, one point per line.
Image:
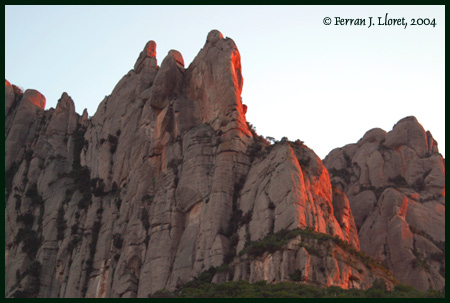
168	180
395	183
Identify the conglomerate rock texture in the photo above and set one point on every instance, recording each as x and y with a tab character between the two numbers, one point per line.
395	183
167	179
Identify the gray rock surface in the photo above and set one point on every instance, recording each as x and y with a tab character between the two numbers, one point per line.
167	179
395	183
313	263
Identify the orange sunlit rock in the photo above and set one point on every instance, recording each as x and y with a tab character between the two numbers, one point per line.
236	71
178	57
406	231
147	57
244	108
10	95
395	182
344	215
35	98
170	158
150	49
414	196
404	207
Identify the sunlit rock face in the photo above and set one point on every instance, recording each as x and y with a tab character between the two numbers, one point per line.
290	188
166	180
34	97
324	264
395	183
9	96
149	51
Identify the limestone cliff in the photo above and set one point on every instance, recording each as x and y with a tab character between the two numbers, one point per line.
166	180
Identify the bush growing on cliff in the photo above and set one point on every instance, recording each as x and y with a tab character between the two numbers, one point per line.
31	241
273	242
113	141
270	243
98	187
9	176
18	203
33	194
145	219
60	224
117	240
296	275
34	269
26	218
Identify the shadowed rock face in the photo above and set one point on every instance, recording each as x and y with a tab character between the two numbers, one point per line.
29	108
165	181
395	183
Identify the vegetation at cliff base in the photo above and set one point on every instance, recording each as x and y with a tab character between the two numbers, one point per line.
274	241
202	286
244	289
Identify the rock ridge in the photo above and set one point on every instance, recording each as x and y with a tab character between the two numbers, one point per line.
395	183
168	179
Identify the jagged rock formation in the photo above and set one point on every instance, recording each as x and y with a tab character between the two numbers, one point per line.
395	183
314	261
166	180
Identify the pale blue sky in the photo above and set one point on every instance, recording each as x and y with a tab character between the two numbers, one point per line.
325	85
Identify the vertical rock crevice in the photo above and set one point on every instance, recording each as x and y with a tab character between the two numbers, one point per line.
168	180
397	196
